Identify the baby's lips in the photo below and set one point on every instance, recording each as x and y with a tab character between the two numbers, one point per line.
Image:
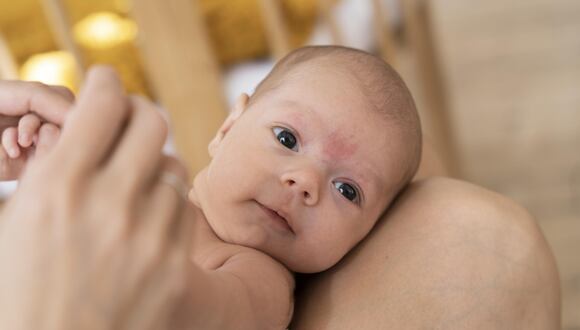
286	217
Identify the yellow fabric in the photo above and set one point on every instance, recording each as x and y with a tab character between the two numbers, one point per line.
236	28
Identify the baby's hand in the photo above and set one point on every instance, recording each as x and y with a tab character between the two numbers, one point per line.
32	137
31	115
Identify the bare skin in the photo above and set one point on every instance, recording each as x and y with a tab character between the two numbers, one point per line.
448	255
74	253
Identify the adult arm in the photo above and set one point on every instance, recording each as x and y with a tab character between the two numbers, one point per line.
93	239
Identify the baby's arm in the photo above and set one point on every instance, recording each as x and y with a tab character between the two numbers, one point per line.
249	291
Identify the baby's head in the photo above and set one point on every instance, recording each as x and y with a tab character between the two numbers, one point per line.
303	169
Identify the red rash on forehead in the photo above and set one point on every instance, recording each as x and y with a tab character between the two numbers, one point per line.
338	147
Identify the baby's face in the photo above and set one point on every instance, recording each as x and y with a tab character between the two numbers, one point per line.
304	172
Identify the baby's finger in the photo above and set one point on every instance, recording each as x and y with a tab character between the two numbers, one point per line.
47	137
27	127
9	142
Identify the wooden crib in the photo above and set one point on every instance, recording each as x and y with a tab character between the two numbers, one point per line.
187	80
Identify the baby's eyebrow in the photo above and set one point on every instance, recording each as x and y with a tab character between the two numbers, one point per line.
298	117
304	108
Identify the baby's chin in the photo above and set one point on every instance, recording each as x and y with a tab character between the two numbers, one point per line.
310	264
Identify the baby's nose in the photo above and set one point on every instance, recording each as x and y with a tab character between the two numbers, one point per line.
304	183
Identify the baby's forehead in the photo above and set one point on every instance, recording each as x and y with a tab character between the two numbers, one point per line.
340	147
356	144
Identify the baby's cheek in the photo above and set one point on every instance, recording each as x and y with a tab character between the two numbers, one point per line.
331	250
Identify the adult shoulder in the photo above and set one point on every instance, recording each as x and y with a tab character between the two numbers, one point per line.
447	254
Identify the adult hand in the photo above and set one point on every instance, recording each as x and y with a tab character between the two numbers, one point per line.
29	105
94	237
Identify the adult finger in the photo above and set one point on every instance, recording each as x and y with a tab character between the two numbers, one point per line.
161	209
167	198
139	152
27	127
96	120
20	97
47	137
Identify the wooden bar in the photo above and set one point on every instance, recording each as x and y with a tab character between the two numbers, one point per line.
276	31
61	27
325	8
384	33
184	73
8	66
420	39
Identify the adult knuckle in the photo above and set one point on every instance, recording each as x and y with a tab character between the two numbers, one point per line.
150	114
157	123
64	90
124	181
113	101
37	86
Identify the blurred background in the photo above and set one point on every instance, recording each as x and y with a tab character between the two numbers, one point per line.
497	82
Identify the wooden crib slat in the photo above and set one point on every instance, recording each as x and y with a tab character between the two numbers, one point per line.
418	33
8	67
275	26
184	73
325	8
384	33
61	27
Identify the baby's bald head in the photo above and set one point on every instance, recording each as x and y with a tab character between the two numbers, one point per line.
331	134
383	88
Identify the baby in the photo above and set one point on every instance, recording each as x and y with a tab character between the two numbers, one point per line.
300	173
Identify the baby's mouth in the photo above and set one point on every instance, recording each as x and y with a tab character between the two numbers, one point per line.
276	216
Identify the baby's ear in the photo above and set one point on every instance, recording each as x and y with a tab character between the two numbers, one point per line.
239	107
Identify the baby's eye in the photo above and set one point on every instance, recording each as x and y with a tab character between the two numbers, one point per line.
286	138
348	191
